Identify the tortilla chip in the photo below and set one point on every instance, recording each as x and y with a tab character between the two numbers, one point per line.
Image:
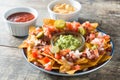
31	58
88	45
48	21
94	25
101	59
31	39
31	29
107	46
105	58
56	65
82	61
84	66
29	54
64	68
71	72
23	45
94	63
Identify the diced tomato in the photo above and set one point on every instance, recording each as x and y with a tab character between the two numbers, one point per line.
77	67
88	26
50	36
69	26
72	26
57	56
51	28
46	59
35	54
26	44
64	52
46	31
49	68
75	25
92	36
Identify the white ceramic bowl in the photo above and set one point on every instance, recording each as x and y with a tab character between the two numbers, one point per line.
20	29
68	17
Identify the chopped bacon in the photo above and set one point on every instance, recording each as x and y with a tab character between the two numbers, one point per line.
57	56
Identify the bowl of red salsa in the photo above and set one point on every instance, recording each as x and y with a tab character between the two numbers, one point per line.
19	19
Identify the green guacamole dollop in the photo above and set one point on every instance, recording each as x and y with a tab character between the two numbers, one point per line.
67	42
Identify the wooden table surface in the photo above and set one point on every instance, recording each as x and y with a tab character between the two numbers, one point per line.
14	67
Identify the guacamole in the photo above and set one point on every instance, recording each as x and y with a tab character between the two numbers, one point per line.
67	42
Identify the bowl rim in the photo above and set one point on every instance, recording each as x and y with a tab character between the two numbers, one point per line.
76	74
33	12
76	11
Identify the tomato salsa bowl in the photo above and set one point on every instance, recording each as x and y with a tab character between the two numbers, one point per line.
19	19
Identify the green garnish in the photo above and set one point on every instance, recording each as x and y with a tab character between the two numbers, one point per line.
94	47
40	34
82	30
59	24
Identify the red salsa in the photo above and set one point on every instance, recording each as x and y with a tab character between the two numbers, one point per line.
20	17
